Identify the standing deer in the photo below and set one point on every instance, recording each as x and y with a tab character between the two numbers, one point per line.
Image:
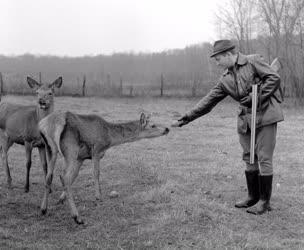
19	124
80	137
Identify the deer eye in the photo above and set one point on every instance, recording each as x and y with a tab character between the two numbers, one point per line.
153	126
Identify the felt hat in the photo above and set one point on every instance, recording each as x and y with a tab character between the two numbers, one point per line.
221	46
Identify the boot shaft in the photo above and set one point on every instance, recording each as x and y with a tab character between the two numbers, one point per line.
252	179
263	205
265	182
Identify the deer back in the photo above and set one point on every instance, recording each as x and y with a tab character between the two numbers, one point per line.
89	129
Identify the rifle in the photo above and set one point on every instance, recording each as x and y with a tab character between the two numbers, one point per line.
275	65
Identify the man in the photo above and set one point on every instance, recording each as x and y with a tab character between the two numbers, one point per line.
241	72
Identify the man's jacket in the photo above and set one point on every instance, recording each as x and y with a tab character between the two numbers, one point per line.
237	83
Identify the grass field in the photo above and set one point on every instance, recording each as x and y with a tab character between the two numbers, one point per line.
175	192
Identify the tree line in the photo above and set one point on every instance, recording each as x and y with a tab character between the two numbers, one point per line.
174	69
272	28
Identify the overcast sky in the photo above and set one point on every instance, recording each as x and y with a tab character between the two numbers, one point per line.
90	27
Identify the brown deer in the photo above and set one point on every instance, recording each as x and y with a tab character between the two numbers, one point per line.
79	137
19	124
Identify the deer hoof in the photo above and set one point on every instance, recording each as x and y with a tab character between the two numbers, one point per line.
26	189
43	211
78	220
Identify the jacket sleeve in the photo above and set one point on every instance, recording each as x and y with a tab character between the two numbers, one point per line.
270	79
204	106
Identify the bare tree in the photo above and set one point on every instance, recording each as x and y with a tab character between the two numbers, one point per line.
235	20
284	22
272	14
274	27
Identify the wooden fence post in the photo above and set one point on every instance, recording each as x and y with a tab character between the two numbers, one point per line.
1	85
78	84
120	86
84	86
131	90
40	78
161	85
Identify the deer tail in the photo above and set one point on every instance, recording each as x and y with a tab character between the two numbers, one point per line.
51	128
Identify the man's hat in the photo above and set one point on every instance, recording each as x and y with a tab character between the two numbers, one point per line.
221	46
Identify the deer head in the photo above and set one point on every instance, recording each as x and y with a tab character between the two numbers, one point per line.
148	129
45	92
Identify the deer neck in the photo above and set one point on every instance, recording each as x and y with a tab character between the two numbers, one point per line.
123	132
41	113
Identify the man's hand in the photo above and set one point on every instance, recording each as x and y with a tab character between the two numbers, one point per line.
180	122
247	100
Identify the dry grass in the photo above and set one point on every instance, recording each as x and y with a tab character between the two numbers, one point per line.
175	192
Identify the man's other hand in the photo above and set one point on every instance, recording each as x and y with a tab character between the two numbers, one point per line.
246	101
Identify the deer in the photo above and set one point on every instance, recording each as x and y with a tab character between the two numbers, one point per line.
78	137
19	124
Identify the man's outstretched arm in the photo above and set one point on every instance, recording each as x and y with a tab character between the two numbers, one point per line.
204	106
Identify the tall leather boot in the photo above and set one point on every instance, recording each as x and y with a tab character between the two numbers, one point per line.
265	193
252	179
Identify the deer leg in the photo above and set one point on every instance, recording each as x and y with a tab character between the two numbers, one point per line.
51	160
5	145
42	155
96	170
28	155
63	194
72	170
43	161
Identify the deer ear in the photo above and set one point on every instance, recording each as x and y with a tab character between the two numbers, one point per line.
57	83
142	120
32	83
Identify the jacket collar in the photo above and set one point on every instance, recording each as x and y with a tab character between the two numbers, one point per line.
240	60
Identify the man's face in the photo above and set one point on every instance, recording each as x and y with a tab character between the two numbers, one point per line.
224	60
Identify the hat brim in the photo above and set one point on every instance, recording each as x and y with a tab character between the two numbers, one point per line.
222	51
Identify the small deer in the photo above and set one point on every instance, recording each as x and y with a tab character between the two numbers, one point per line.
19	124
79	137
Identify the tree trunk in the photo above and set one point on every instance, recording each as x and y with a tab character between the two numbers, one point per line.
84	86
1	86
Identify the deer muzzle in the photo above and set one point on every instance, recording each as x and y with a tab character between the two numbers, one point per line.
43	104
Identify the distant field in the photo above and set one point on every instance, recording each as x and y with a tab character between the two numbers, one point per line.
175	192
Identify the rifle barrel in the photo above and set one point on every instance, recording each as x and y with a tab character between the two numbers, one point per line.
253	121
